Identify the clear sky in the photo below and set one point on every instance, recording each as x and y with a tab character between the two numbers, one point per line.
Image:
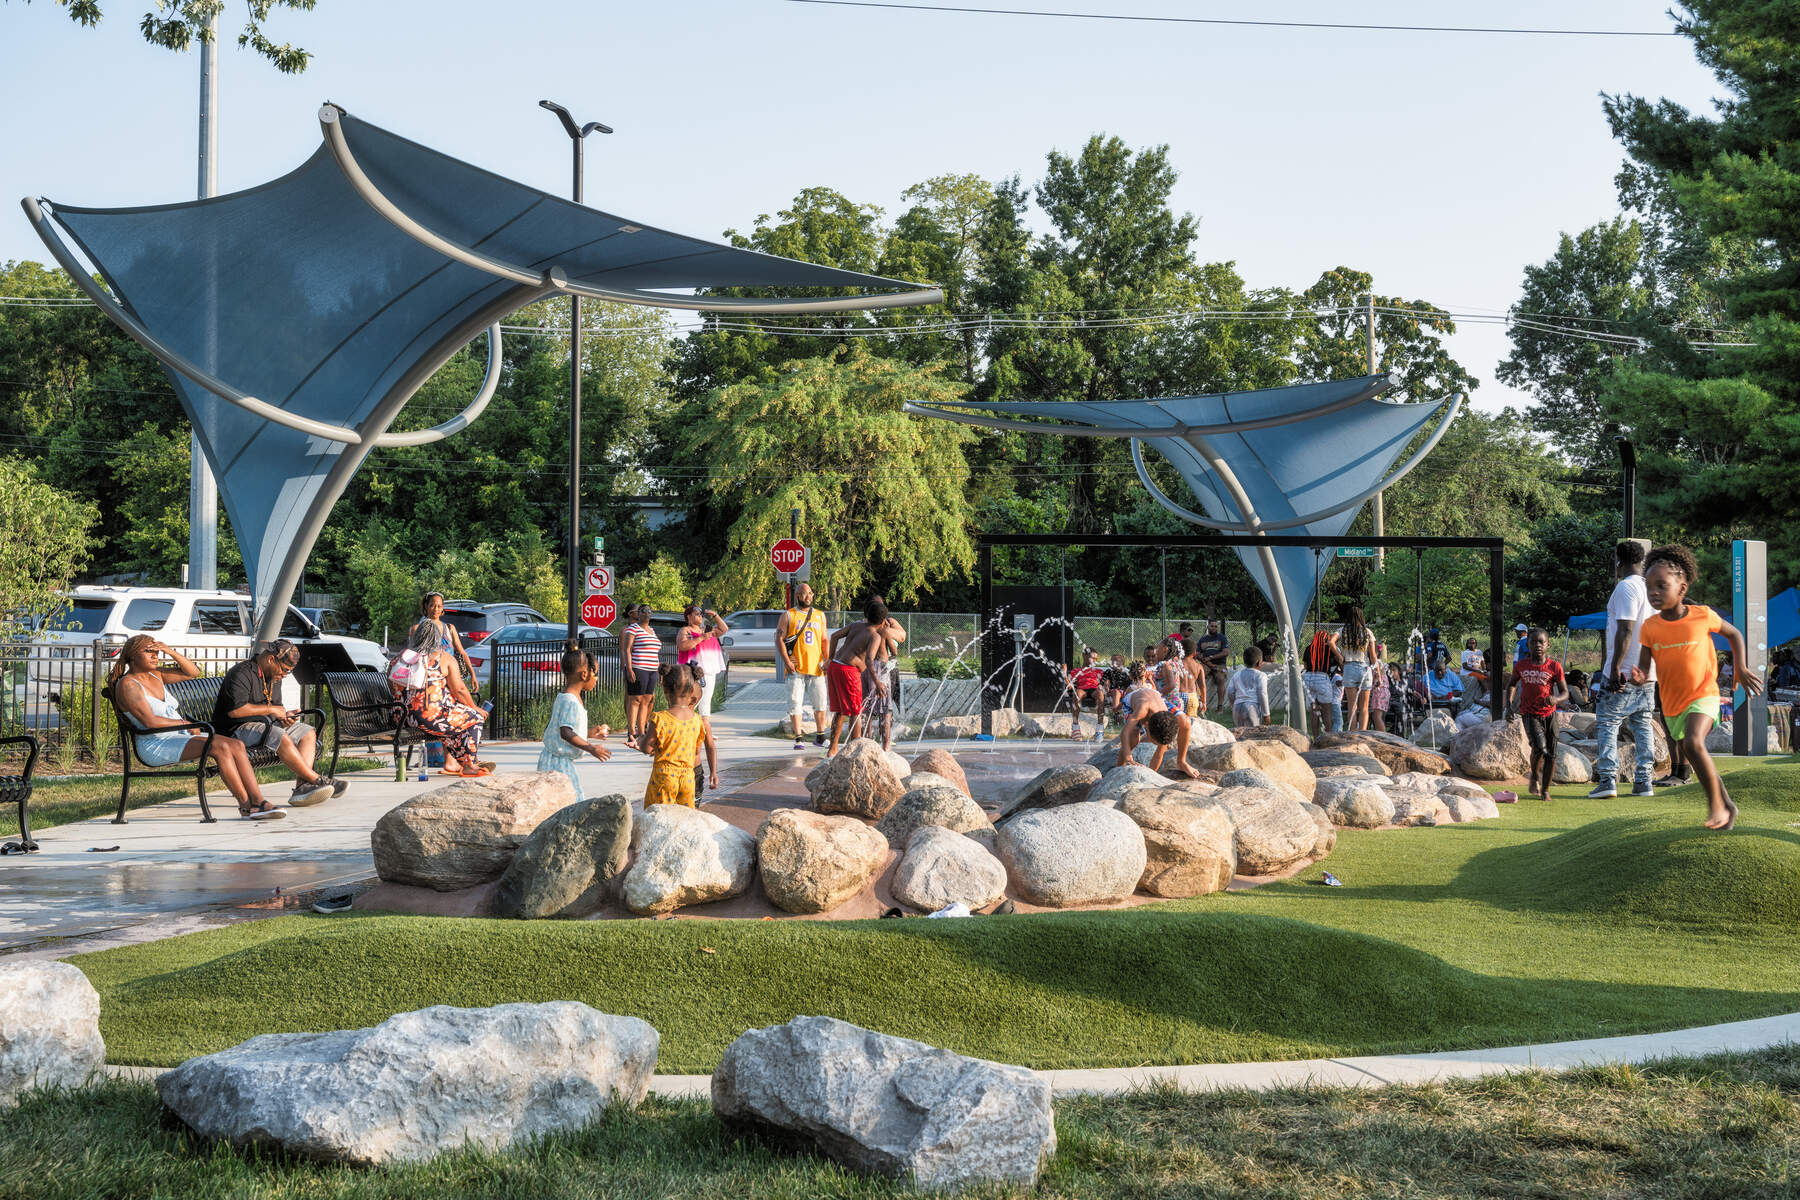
1443	163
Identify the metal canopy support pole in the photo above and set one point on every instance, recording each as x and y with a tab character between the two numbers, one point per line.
1380	510
203	489
577	136
986	635
1497	663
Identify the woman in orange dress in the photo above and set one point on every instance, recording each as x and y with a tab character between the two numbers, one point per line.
673	737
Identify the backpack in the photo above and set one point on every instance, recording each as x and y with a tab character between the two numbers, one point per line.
408	670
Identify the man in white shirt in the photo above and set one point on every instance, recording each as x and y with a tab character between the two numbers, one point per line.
1617	700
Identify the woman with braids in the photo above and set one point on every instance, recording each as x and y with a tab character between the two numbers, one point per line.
1678	639
1361	662
138	678
439	704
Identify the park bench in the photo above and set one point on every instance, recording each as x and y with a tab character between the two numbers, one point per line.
365	711
16	789
194	700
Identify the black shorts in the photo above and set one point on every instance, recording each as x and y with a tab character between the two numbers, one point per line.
1541	733
1086	696
643	685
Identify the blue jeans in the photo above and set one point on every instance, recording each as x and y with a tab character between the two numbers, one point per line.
1630	704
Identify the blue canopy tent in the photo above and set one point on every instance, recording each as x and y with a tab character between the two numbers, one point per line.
1783	610
297	318
1301	460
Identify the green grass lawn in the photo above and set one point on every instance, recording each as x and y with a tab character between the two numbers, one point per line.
1726	1126
1570	919
64	801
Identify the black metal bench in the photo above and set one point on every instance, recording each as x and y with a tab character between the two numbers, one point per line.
16	789
365	711
195	700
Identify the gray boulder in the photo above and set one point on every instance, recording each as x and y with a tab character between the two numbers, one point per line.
888	1106
418	1084
49	1028
682	856
1470	808
1296	741
1119	780
1417	808
1326	840
1250	777
1072	855
942	867
1271	831
944	764
1205	732
941	805
1364	764
1438	731
1572	766
1188	841
567	866
465	833
811	863
861	779
1356	802
1053	787
1492	750
1107	757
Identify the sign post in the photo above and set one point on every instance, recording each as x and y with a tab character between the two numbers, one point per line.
1750	613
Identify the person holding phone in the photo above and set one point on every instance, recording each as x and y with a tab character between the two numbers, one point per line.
251	708
698	642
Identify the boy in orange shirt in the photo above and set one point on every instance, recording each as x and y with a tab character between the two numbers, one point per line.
1679	640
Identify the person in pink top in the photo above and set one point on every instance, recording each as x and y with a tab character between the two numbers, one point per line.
698	642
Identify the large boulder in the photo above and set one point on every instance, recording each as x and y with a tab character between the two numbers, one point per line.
1417	808
682	856
1572	766
1072	855
1119	780
1659	749
567	866
1053	725
1205	732
887	1106
1325	840
467	832
811	863
1274	759
1582	723
1188	841
921	779
1395	754
1271	831
860	779
1355	802
418	1084
49	1028
940	805
1053	787
1006	722
942	867
1252	778
1107	757
1492	750
1342	762
1296	741
942	762
1470	808
1438	731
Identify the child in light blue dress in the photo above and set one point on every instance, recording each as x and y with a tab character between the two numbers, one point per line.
563	742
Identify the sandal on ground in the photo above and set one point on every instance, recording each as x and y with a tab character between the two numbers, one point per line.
268	812
487	768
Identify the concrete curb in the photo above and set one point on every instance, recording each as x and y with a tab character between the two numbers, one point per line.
1369	1071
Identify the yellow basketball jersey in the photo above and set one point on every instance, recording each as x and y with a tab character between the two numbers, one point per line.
809	648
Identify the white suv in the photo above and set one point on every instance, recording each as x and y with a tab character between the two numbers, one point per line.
216	624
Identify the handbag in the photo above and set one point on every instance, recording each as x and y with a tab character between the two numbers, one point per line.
407	669
793	639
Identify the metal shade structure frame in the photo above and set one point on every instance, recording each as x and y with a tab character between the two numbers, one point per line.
375	221
993	641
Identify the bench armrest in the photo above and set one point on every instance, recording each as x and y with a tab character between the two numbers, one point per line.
30	758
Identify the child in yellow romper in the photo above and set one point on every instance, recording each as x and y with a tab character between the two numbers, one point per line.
673	737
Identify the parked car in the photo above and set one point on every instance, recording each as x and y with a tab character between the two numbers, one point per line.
538	668
327	619
213	625
476	623
752	634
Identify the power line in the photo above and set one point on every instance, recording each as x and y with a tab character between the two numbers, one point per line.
1245	21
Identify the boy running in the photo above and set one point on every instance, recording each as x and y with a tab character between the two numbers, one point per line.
1538	687
1678	640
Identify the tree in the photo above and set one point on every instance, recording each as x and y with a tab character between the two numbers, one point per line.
177	24
880	494
662	584
1718	432
45	547
1567	569
1408	334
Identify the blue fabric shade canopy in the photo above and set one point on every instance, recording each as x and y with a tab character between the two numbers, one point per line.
297	318
1299	460
1783	611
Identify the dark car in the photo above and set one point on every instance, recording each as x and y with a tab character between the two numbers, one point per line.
475	623
529	657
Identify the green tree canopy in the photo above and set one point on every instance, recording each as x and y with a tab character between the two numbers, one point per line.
45	547
178	24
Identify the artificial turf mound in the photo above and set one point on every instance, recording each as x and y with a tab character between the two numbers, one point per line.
1662	868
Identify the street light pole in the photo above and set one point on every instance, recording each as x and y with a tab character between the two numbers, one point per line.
577	136
203	489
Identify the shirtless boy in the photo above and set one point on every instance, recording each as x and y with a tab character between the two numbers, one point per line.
1147	712
851	651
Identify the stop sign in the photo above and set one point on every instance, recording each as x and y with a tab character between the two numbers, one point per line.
598	611
788	555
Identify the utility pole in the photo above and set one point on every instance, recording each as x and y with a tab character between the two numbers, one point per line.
577	135
203	489
1380	508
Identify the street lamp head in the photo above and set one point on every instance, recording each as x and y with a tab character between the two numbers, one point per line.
568	123
591	126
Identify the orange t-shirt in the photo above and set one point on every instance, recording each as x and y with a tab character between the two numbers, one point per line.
1686	667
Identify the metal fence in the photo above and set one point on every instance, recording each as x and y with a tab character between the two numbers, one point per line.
522	679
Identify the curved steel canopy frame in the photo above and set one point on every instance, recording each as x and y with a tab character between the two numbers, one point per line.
556	279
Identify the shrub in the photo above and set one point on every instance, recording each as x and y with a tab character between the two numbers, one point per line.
936	666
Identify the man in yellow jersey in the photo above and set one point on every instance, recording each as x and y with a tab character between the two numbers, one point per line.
800	640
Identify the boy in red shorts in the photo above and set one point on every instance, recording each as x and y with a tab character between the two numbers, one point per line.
1538	687
1678	639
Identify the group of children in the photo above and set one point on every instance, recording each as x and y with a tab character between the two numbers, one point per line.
672	738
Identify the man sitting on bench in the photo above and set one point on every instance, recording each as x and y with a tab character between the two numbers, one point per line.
252	690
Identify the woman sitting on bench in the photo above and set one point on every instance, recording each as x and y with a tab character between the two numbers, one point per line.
138	678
